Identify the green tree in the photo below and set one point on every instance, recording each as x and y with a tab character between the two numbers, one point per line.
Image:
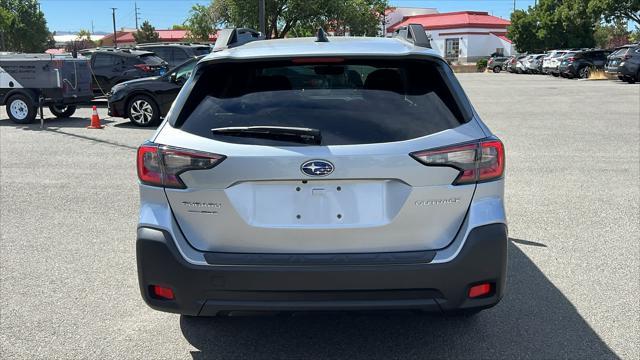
146	34
303	17
611	10
611	35
200	23
23	27
83	35
634	36
179	27
553	24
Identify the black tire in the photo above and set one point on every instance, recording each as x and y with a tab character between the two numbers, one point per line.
631	80
497	69
21	109
584	72
62	111
555	74
143	111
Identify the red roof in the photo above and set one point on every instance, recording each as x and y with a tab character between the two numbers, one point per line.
164	36
454	20
503	37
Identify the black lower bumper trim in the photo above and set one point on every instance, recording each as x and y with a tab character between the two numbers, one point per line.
408	257
209	289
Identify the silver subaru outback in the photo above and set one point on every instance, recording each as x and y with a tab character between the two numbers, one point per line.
321	174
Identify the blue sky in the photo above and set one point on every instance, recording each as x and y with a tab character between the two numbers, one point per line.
72	15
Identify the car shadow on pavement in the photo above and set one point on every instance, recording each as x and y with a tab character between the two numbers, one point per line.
72	122
534	320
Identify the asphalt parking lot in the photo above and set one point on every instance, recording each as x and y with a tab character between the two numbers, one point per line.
67	256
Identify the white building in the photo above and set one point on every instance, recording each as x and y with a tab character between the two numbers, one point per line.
463	36
395	15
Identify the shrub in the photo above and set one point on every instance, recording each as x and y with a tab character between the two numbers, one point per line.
481	65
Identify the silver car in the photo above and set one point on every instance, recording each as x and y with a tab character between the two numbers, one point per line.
328	173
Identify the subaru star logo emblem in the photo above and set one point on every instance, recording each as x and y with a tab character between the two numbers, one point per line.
317	168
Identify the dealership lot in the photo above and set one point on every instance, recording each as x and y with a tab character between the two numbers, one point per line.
67	255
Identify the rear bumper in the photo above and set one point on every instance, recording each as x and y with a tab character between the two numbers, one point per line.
209	289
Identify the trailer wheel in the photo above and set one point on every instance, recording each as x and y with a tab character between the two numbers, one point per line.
21	109
62	111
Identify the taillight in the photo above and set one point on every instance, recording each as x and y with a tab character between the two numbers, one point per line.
477	162
143	67
161	165
626	57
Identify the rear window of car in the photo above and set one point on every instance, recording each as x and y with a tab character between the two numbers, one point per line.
201	50
622	52
348	101
151	59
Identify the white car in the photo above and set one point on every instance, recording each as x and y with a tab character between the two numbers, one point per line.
328	173
551	62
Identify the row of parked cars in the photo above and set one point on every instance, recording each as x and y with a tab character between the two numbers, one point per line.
622	63
142	82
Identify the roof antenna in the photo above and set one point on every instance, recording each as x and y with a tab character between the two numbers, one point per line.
322	36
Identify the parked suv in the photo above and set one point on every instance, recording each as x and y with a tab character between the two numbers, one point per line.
618	57
176	54
496	63
582	63
111	67
512	63
322	173
534	64
630	67
551	62
144	101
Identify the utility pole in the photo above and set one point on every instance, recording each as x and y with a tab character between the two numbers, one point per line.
514	5
261	18
113	16
92	30
136	8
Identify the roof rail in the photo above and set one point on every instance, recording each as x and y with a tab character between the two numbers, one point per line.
415	34
322	36
228	38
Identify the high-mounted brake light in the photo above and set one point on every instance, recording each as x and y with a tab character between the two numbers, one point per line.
477	162
160	165
318	60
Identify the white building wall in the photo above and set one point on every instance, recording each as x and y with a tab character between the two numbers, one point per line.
475	43
400	13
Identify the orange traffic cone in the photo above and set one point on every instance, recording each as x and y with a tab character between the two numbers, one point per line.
95	120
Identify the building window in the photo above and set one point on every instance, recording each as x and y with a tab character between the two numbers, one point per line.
500	51
452	49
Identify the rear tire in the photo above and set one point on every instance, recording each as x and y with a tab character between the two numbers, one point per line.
143	111
21	109
62	111
497	69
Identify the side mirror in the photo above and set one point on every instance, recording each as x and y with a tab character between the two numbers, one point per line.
173	78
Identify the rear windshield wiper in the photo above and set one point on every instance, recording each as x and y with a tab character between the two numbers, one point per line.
297	134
